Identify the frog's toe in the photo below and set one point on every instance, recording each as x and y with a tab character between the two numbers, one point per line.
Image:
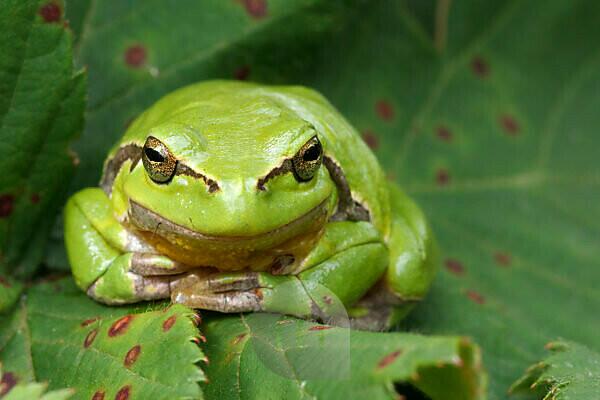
227	302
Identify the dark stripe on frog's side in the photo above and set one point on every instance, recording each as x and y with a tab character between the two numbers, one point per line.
133	152
348	209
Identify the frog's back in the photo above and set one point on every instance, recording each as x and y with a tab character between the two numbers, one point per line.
237	106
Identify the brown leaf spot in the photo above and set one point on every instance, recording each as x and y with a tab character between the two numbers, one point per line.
319	328
256	8
475	296
242	73
9	380
4	282
120	326
135	56
132	355
454	266
168	323
388	359
509	124
503	259
123	393
384	110
35	198
50	12
442	177
327	299
99	395
370	139
6	205
443	133
89	339
89	321
238	339
480	67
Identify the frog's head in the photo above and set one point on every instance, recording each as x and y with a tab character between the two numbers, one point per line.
235	181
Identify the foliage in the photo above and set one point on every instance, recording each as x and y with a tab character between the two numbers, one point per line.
41	111
485	112
572	371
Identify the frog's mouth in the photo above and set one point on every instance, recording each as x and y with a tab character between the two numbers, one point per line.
278	250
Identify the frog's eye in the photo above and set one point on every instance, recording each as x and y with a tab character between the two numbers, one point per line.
158	160
307	160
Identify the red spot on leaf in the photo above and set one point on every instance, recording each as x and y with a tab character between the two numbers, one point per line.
4	282
8	381
120	326
35	198
454	266
480	67
242	73
503	259
123	393
370	139
99	395
256	8
509	124
169	322
442	177
51	12
89	339
475	296
135	56
238	338
89	321
319	328
384	110
6	205
132	355
443	133
387	360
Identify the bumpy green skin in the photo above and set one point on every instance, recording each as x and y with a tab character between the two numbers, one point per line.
234	134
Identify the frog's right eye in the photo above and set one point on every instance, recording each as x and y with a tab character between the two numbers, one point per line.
158	160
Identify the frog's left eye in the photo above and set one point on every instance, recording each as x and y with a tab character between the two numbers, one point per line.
158	160
308	159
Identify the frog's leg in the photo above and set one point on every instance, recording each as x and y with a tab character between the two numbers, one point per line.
411	268
108	261
349	259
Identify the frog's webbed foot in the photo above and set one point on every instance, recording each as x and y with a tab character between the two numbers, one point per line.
235	292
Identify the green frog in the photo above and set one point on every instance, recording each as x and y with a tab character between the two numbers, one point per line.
237	197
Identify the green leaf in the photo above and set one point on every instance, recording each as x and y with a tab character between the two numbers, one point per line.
259	356
486	114
59	335
571	372
41	111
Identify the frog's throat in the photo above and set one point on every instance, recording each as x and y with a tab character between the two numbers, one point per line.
287	244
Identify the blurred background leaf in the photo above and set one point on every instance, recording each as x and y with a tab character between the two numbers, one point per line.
41	111
486	112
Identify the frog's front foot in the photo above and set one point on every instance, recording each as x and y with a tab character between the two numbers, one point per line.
235	292
132	277
244	291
